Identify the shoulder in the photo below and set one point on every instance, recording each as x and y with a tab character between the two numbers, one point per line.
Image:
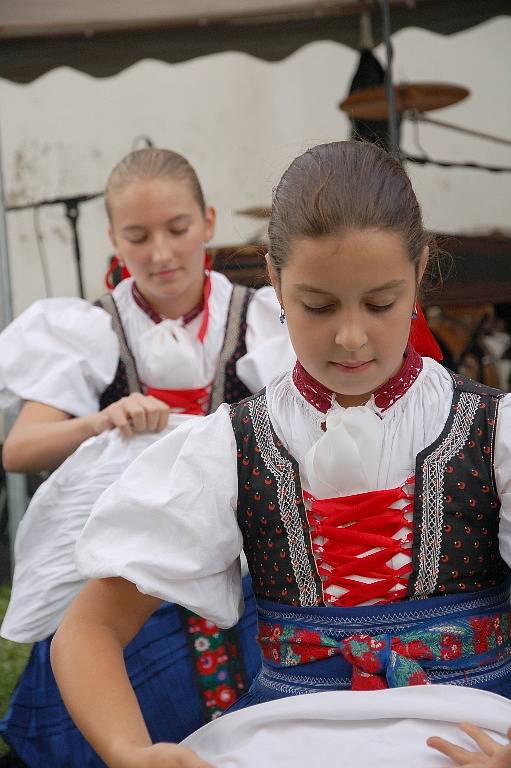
221	286
464	384
64	308
278	395
62	320
239	410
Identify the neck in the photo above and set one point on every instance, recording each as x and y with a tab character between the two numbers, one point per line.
350	401
384	396
175	306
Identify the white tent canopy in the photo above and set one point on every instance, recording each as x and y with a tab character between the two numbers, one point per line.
31	17
101	39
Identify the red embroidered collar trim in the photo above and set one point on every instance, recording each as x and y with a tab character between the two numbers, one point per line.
398	385
155	316
390	392
314	392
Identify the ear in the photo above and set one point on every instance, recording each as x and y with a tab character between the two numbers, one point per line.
210	221
274	277
113	240
422	264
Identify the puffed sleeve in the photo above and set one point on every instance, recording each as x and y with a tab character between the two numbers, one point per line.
60	352
269	350
169	526
502	463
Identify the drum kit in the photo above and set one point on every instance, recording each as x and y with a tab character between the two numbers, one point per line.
460	330
412	100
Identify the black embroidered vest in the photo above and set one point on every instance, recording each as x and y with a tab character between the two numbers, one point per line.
456	513
455	545
226	385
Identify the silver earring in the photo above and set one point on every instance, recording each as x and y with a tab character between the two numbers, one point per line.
282	316
414	313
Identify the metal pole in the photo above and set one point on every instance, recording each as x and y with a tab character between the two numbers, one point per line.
389	85
16	484
72	212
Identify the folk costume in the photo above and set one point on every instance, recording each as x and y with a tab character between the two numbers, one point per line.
378	537
82	357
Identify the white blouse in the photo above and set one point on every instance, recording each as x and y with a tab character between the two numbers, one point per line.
169	524
64	352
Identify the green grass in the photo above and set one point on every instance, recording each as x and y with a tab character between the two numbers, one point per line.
13	657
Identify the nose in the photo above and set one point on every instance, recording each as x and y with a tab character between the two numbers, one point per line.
351	334
163	251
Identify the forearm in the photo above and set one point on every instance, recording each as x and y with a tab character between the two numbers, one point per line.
88	664
32	447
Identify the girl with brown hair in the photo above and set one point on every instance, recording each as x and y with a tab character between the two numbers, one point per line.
173	341
369	487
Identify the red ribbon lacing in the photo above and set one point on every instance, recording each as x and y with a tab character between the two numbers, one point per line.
206	293
194	402
353	525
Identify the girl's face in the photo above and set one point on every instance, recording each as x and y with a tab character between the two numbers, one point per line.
348	301
159	230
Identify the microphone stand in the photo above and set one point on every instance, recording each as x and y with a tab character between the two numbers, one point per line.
72	210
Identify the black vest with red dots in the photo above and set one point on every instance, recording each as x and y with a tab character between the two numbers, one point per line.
226	387
456	510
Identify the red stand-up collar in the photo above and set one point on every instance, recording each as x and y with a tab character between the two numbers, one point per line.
202	306
386	395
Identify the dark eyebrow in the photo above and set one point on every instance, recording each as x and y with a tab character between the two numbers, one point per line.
386	287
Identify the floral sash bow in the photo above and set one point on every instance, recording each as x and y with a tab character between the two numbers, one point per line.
390	661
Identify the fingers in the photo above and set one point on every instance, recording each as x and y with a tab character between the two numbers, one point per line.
483	741
456	754
138	413
163	755
157	414
119	416
460	756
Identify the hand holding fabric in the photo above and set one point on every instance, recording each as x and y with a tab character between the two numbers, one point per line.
491	754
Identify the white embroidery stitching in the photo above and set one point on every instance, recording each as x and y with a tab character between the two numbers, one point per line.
433	493
402	618
282	470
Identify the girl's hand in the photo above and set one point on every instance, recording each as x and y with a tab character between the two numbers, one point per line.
135	413
491	755
161	755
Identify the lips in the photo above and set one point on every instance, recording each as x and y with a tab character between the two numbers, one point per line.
353	367
164	272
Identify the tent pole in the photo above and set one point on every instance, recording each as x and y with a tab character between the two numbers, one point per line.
389	85
16	484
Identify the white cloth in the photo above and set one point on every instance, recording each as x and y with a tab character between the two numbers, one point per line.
60	352
167	357
64	353
359	729
354	441
186	486
45	579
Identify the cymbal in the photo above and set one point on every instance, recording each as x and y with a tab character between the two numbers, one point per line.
257	212
371	103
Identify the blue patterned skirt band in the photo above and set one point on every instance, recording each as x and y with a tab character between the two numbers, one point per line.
459	639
